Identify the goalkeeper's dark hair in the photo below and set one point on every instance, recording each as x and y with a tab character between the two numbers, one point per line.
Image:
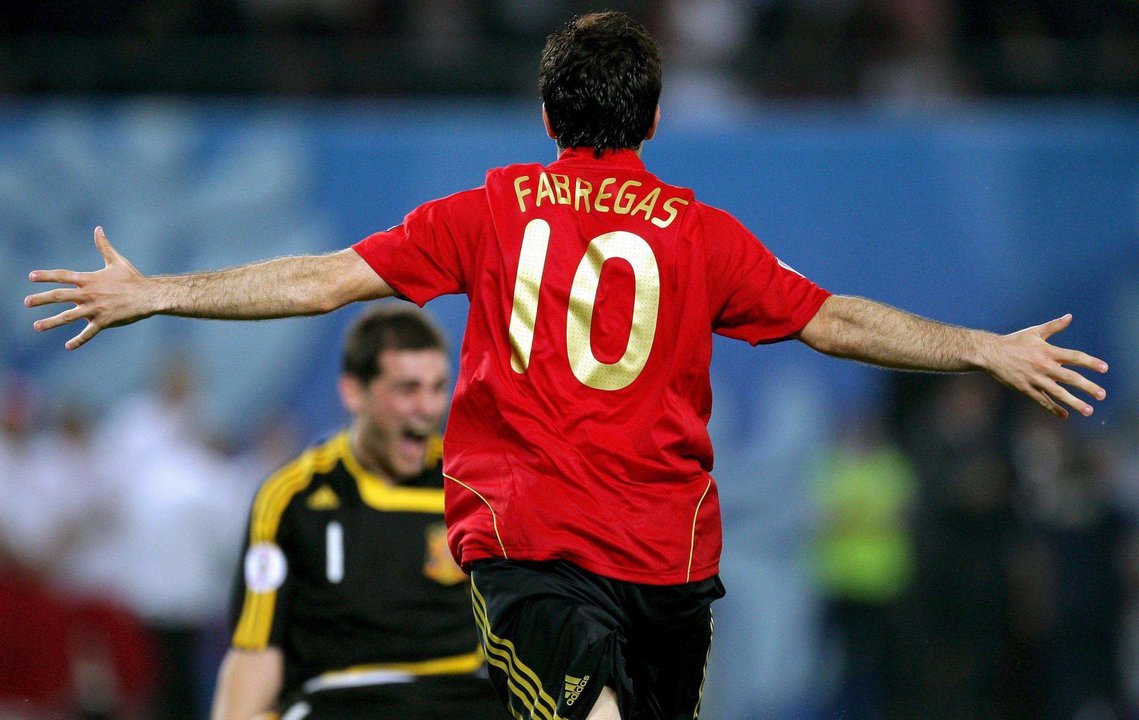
387	326
600	79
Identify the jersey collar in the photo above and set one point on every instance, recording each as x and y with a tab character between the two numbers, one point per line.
611	158
378	493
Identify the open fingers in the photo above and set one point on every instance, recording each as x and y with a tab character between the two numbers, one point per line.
62	318
1081	383
65	277
1052	327
103	245
1061	394
59	295
1082	359
88	332
1045	400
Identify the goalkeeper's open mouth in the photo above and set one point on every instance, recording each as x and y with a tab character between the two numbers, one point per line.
413	442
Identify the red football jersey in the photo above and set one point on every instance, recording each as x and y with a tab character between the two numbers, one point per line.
578	428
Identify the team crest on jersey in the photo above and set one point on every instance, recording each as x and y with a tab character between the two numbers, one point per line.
265	567
437	562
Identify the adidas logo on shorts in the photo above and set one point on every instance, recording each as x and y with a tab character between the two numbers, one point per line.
574	686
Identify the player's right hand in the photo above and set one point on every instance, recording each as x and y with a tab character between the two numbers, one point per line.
105	298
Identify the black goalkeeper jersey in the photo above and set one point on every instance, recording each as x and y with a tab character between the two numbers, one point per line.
351	576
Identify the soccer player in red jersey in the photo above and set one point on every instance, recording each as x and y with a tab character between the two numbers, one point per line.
577	456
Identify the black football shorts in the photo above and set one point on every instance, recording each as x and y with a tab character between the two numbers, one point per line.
555	635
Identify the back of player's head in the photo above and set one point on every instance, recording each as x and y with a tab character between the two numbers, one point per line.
387	326
600	79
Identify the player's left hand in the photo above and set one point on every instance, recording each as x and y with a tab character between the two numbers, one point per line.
106	298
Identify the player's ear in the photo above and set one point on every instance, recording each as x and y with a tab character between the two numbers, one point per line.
351	393
546	122
652	128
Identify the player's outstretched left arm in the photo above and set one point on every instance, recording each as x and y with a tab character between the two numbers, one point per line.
119	294
860	329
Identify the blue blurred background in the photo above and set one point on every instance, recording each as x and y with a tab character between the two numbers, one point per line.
897	545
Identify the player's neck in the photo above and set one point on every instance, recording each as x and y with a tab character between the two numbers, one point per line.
368	460
636	150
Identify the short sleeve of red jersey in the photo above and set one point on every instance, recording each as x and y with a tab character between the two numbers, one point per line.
432	252
752	295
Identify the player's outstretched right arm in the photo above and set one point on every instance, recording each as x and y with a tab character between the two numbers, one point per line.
119	294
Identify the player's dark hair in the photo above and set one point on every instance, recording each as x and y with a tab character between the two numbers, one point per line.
600	80
387	326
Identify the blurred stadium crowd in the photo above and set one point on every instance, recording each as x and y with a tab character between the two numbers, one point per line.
118	540
909	49
951	553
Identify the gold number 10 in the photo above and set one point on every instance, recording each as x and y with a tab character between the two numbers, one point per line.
583	296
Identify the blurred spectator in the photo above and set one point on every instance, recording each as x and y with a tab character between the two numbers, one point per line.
91	508
865	489
1075	576
765	662
964	529
1125	441
23	534
32	620
181	506
62	508
66	649
1050	46
910	59
703	39
804	49
895	52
